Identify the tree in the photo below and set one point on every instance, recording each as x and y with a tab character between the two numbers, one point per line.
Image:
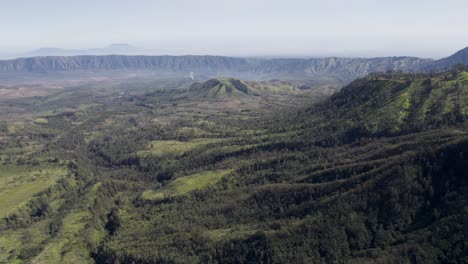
113	221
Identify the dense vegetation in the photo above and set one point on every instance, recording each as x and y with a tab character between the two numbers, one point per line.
237	172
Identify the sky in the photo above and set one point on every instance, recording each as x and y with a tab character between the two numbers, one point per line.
351	28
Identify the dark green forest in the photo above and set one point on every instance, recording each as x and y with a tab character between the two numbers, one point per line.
228	171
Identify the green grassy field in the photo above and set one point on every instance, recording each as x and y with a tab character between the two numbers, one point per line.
18	184
41	120
184	185
159	148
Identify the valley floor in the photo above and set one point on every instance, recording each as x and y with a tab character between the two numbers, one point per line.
376	173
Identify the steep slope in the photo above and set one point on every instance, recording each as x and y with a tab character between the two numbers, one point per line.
382	104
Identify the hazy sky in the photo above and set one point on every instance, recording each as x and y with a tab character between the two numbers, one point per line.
429	28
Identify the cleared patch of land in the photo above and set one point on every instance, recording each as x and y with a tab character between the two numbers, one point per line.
184	185
19	183
159	148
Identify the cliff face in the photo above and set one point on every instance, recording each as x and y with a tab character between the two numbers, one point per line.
345	69
119	62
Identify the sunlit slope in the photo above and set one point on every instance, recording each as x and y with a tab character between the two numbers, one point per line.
386	104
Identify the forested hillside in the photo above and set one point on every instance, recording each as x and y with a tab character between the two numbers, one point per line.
229	171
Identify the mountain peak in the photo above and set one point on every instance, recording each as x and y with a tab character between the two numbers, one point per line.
120	45
222	87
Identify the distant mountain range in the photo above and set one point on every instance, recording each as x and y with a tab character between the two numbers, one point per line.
120	49
339	70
